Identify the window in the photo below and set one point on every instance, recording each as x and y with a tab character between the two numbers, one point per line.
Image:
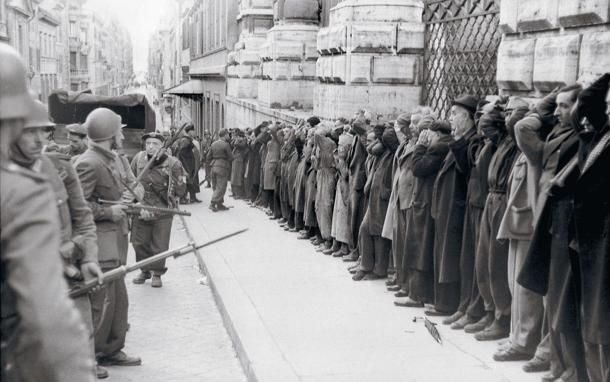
185	34
73	65
73	29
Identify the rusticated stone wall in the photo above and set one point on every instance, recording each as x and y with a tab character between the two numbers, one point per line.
550	43
370	57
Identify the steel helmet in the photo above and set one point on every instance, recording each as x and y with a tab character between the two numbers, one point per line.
102	124
15	99
38	117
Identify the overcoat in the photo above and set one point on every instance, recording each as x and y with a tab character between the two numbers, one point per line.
426	163
240	156
326	182
272	163
377	190
356	159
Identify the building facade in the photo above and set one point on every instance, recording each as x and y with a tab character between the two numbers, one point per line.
290	59
67	47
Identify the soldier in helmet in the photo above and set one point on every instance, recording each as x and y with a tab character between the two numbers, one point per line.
164	184
42	334
103	176
78	246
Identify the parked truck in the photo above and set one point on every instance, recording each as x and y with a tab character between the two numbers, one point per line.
66	107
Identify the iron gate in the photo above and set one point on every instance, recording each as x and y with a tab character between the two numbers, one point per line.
461	45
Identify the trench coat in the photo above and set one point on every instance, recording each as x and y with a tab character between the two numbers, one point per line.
340	229
272	163
326	182
240	156
377	190
356	160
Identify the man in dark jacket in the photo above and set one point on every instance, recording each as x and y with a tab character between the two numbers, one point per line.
547	269
184	150
220	157
374	249
448	207
592	227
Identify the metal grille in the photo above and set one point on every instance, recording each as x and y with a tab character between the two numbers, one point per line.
461	44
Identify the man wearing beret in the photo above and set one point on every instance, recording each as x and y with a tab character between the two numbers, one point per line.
164	183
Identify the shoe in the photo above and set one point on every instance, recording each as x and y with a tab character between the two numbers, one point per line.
435	313
409	303
453	318
208	186
511	354
549	377
401	293
142	277
393	288
293	230
282	221
287	228
317	242
195	201
536	365
156	281
462	322
119	359
328	251
374	276
273	218
221	207
213	207
340	253
480	325
391	282
497	330
349	258
359	275
100	372
352	267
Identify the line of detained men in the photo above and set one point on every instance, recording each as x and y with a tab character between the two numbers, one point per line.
53	220
497	219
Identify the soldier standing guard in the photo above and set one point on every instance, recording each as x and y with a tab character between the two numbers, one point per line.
164	184
220	156
103	175
42	336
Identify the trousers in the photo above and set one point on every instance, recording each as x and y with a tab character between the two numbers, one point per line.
471	301
492	258
110	309
374	250
219	187
150	237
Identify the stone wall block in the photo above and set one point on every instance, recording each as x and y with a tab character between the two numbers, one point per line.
324	68
516	64
337	39
582	12
509	12
410	38
232	71
258	3
594	54
246	57
302	70
266	70
311	54
372	38
359	68
322	43
537	15
287	50
378	11
555	61
395	69
280	70
338	69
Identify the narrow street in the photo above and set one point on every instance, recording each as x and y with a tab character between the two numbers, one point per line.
293	315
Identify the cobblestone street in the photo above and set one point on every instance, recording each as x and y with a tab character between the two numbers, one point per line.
177	329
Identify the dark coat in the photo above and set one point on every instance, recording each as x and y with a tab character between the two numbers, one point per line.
253	172
426	163
184	150
356	159
592	238
240	156
448	208
377	190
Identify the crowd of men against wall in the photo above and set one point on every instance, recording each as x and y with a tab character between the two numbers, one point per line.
496	220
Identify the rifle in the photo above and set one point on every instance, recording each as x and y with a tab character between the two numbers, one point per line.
136	208
122	271
160	152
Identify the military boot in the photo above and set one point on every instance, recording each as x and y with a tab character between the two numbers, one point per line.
142	277
156	281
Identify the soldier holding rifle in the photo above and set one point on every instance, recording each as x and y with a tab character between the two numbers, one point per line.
103	176
164	184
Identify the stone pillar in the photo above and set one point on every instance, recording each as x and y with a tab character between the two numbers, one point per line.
566	41
289	56
370	57
243	70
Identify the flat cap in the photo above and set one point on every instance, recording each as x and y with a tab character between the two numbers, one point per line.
467	101
154	135
77	129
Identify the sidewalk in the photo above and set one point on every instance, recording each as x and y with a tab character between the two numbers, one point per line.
177	329
296	315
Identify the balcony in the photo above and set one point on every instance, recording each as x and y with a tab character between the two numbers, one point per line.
75	44
79	74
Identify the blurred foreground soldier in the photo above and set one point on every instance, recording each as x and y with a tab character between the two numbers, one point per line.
42	335
78	239
103	175
220	157
164	183
592	221
184	151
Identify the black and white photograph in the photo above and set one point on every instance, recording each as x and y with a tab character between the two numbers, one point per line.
305	190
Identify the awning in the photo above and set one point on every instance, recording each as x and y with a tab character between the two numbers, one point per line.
189	89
